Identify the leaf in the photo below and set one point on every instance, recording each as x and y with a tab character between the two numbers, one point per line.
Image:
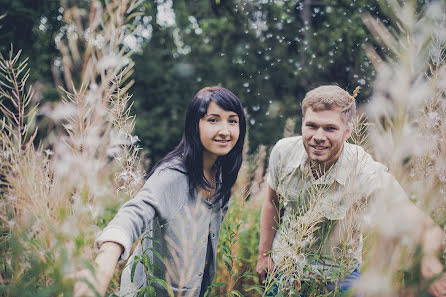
150	291
157	254
148	264
256	288
220	284
226	250
132	271
153	239
162	282
236	293
228	262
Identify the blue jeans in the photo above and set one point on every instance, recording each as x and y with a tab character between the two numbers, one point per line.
343	285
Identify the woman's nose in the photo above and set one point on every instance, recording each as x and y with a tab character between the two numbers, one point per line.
224	129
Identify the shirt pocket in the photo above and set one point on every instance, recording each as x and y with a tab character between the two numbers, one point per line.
337	205
292	199
289	189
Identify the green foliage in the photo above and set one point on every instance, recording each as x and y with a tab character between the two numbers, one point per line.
262	51
237	250
31	25
269	53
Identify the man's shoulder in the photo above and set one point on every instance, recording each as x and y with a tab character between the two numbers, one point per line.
289	150
360	163
289	144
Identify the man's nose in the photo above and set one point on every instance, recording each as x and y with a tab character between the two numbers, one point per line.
319	135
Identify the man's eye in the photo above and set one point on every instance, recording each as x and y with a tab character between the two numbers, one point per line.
311	125
330	128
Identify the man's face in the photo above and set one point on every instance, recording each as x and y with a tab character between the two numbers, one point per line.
323	134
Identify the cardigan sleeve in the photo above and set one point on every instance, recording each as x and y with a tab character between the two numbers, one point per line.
158	198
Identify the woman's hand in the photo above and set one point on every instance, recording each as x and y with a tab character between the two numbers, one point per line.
90	284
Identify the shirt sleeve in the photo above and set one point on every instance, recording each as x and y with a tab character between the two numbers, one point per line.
273	167
156	198
384	186
385	199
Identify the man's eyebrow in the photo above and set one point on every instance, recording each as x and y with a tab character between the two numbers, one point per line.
331	125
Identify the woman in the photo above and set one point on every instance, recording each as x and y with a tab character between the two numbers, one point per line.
178	213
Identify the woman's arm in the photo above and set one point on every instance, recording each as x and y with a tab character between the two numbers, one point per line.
105	264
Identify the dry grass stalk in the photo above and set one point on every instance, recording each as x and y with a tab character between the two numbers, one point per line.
408	137
52	198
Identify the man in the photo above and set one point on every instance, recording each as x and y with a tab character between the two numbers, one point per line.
319	190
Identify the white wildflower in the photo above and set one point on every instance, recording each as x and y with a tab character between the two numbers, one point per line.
62	111
134	139
112	61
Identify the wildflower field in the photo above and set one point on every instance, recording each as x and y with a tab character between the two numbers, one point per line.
68	166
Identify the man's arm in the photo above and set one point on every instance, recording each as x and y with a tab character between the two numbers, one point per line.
431	266
268	225
431	243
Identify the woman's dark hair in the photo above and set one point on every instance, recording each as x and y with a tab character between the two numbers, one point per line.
190	149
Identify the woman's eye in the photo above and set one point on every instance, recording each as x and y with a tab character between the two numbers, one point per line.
212	120
233	121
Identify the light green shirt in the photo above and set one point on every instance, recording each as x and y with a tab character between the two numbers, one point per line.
320	231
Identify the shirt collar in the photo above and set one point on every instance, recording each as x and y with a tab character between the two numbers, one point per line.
338	172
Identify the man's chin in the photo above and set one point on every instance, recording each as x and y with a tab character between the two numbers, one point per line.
317	158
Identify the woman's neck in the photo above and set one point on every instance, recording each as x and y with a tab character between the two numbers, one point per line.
209	172
208	163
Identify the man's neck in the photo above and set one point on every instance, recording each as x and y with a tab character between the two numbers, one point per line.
319	169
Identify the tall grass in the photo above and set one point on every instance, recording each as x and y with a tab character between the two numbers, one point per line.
53	197
408	136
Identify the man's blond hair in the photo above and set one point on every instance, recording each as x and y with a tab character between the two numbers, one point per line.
329	98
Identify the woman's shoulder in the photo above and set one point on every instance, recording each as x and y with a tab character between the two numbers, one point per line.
171	167
169	172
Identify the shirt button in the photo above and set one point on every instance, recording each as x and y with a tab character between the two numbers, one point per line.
210	206
213	235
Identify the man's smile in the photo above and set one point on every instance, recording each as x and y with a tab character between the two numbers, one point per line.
318	148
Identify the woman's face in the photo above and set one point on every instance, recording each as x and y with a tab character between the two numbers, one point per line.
219	130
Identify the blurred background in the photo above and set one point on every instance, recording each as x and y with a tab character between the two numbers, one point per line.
269	53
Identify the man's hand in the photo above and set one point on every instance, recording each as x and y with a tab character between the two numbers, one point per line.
264	265
431	267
